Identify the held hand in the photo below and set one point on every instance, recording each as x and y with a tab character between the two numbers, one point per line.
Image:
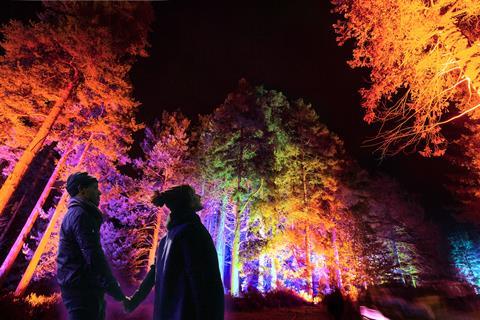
127	304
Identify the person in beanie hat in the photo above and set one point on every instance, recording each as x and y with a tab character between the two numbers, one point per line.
186	275
83	272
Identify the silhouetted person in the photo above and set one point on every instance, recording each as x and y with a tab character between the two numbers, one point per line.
83	272
334	302
186	274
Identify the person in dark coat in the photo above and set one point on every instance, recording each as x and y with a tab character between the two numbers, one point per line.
186	276
335	304
83	272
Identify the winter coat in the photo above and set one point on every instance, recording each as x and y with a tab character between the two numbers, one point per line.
81	263
186	276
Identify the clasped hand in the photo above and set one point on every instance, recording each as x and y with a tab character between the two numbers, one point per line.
129	304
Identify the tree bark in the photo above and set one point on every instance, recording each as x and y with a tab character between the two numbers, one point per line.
156	231
17	246
308	263
34	146
275	281
261	285
220	240
28	274
338	273
235	264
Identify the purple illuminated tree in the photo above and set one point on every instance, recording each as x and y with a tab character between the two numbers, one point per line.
164	165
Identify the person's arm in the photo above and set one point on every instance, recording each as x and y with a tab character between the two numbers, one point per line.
88	240
142	291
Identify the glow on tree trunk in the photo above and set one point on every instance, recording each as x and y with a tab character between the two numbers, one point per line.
13	180
235	266
261	273
220	240
308	264
17	246
235	263
274	273
156	231
59	210
338	273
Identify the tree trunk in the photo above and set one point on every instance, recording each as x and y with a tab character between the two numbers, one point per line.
17	246
220	240
235	265
15	209
156	231
275	282
338	273
60	209
308	263
304	181
261	272
34	146
234	268
397	260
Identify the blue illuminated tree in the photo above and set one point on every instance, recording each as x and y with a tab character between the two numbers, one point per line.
465	255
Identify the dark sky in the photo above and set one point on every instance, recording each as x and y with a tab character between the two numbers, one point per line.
200	51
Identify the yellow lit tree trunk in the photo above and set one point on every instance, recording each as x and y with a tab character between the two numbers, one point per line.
235	263
153	249
17	246
61	206
235	266
156	231
34	146
308	264
275	267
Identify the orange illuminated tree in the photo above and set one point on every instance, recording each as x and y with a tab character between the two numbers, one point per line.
424	67
75	54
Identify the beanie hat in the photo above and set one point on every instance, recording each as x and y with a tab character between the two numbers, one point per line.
79	179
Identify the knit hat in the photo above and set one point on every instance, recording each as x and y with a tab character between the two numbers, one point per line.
79	179
178	197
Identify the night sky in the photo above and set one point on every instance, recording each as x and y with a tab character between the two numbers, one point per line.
199	52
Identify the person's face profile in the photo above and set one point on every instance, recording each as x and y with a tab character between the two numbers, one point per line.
91	193
196	201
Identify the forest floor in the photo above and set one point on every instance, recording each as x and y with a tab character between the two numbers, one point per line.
299	313
317	313
18	309
302	313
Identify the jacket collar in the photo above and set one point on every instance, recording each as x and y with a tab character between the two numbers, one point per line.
176	219
87	206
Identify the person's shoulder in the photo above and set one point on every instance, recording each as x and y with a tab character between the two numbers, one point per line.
194	231
75	214
72	217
